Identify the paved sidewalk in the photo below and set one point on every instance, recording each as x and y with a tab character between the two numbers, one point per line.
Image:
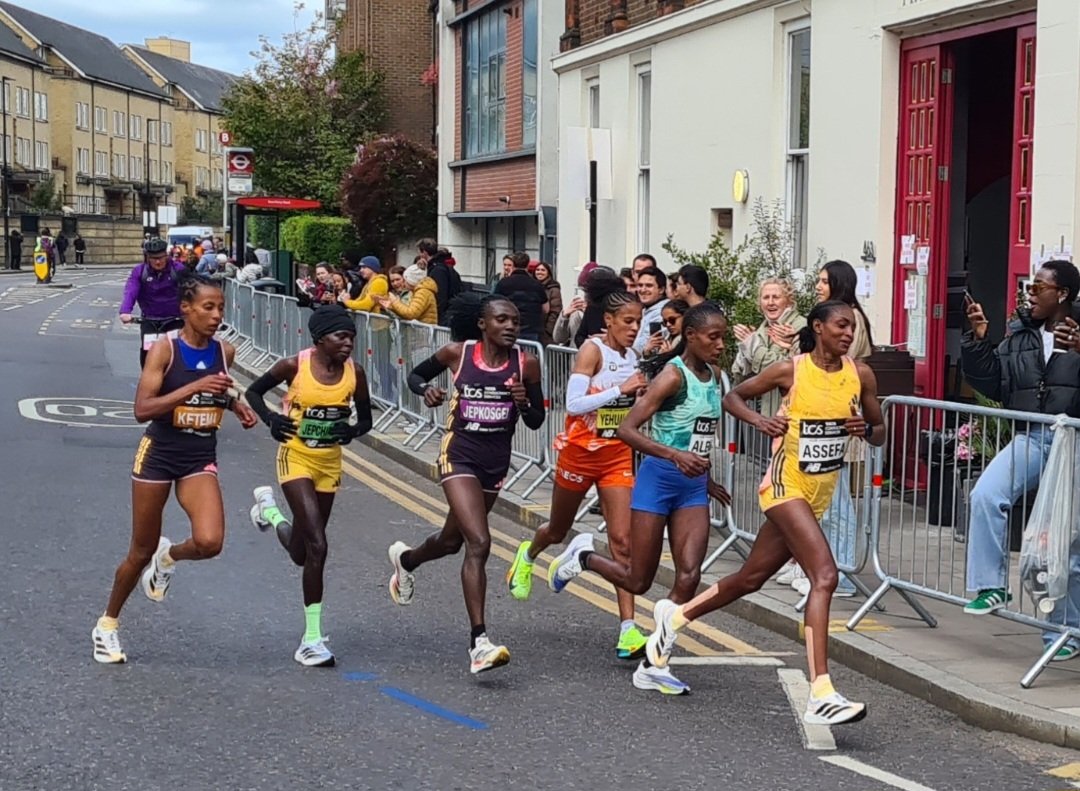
967	665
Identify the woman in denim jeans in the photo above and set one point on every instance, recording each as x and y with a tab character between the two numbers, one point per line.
1035	369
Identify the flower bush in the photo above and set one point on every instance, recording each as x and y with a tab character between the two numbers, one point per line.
980	439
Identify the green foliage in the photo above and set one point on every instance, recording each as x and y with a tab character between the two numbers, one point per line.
313	238
262	230
44	196
304	113
390	191
200	210
735	274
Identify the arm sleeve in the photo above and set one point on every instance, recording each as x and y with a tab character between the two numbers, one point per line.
578	399
131	290
982	366
256	392
561	334
423	373
533	417
363	414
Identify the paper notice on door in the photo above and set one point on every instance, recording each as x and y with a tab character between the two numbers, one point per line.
864	287
910	302
922	260
907	249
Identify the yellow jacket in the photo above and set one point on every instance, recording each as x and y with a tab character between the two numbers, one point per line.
378	286
422	305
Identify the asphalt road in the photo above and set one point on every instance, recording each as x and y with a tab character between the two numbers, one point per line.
211	698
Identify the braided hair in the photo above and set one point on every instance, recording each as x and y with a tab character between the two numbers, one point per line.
190	283
695	318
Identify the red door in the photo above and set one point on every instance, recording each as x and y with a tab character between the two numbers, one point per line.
922	212
1023	142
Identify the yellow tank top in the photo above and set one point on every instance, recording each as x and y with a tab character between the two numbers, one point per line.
816	407
316	408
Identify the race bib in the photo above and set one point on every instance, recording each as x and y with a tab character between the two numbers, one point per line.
703	436
487	409
316	429
822	444
611	416
200	414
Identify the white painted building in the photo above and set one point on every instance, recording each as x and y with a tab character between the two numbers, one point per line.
919	120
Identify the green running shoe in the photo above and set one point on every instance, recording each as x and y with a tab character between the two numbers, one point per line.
631	644
519	577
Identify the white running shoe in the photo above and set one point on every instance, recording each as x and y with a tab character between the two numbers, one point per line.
788	575
662	640
156	577
567	565
486	656
801	586
402	582
660	679
315	654
833	709
107	648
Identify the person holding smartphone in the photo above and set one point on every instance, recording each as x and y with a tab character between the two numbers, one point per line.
651	291
1036	368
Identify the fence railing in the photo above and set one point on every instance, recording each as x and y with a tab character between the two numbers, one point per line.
903	509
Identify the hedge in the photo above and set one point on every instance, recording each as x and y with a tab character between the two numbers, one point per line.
312	238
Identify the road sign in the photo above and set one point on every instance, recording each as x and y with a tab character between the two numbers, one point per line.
224	137
240	168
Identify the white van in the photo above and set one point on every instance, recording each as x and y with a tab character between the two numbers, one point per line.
188	234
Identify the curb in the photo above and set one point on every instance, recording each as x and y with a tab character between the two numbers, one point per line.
976	706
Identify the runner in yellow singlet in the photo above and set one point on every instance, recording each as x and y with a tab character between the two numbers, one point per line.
828	398
325	384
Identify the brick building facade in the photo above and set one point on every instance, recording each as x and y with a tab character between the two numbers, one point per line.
398	38
590	20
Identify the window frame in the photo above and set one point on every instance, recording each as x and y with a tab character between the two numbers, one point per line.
643	82
530	19
41	107
483	125
119	120
797	151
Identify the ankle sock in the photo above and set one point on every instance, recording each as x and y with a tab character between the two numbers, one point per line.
166	560
274	516
679	619
404	560
821	687
107	624
477	631
583	558
313	622
625	627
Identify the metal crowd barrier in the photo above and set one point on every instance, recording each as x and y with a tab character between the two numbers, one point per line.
415	343
921	525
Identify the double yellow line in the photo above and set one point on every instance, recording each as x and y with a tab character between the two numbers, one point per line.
589	587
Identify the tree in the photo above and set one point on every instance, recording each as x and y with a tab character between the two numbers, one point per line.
44	196
389	193
201	210
304	112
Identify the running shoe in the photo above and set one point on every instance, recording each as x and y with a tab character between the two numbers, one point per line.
107	648
567	565
401	582
988	601
662	640
156	577
519	577
832	709
801	586
486	656
660	679
789	572
631	644
315	654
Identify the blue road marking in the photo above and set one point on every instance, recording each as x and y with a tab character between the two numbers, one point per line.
360	676
433	709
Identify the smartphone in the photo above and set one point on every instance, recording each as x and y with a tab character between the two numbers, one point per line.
968	298
655	327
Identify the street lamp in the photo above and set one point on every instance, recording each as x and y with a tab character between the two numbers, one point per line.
5	174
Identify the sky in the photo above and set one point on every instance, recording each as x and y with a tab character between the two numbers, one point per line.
223	33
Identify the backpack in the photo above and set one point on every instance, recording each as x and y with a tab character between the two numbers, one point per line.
453	281
146	275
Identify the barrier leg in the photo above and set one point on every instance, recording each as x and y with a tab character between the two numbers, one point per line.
536	484
868	605
916	605
518	475
432	431
861	587
1044	660
728	543
585	508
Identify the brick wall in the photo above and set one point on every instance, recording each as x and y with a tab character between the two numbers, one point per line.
596	14
396	35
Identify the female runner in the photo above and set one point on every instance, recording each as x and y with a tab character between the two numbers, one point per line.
673	484
602	388
494	384
183	391
823	390
324	385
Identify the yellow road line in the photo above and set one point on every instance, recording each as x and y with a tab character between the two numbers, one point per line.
437	517
1066	772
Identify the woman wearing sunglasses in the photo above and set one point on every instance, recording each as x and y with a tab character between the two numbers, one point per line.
1036	368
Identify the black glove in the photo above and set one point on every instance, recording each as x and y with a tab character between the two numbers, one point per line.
343	433
281	428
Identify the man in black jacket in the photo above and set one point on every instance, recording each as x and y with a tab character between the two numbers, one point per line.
528	295
446	278
1035	369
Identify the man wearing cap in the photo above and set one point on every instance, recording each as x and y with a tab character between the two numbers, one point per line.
375	286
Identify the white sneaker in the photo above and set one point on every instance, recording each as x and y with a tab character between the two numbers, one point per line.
792	575
801	585
402	582
660	679
485	655
107	648
156	577
567	565
315	654
833	709
786	573
662	640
